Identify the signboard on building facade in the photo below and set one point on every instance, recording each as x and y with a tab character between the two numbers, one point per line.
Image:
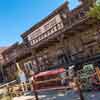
46	30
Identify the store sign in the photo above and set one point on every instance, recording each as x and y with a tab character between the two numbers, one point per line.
44	28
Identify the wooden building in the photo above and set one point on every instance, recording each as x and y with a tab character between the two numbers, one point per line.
17	53
64	37
45	38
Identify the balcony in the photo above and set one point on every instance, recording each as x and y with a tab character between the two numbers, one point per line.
45	36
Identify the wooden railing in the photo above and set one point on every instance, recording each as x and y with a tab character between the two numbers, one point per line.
8	84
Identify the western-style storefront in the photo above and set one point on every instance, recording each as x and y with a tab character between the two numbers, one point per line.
63	38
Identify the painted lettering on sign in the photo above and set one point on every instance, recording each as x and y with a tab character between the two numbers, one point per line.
38	34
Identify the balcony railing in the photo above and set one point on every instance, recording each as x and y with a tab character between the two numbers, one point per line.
47	34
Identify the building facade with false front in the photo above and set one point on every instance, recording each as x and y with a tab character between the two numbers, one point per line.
45	39
64	37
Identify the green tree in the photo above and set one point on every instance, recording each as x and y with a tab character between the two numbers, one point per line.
95	10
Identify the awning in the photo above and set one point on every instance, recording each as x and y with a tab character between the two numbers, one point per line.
51	72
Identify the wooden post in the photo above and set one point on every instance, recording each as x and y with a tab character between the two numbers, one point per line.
79	89
98	72
34	88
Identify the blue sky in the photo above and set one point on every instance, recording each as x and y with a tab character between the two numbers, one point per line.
17	16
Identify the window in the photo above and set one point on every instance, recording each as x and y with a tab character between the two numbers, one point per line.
28	66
